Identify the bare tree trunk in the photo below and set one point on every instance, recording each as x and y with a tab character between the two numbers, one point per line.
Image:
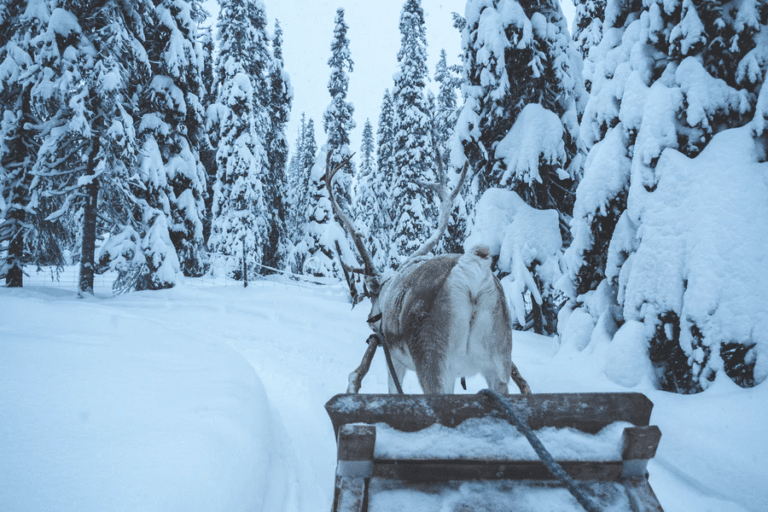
15	276
245	265
87	263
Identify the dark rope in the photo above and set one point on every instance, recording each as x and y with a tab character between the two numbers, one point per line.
556	469
383	343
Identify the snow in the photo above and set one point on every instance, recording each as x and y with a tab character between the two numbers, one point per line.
696	218
209	396
522	237
496	439
537	135
497	496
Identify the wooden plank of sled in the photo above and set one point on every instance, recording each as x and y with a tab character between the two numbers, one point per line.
351	495
420	471
641	496
587	412
354	467
639	445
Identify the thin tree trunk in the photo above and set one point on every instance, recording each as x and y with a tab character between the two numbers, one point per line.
87	258
15	276
245	265
88	255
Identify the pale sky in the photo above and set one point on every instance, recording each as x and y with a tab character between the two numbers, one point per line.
374	40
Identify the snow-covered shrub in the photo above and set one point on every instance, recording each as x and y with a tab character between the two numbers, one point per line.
528	246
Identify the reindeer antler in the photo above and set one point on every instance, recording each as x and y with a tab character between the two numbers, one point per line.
330	172
446	202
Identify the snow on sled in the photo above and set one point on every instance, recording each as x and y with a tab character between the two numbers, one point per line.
461	453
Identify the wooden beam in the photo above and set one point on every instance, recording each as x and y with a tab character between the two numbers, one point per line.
463	470
641	496
638	446
640	442
354	467
587	412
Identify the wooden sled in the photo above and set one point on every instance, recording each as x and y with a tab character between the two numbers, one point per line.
366	482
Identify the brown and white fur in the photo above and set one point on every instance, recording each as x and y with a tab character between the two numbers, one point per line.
445	316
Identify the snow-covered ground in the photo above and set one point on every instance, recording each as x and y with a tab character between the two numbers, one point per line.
210	397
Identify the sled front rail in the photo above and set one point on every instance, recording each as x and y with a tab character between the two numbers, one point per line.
360	476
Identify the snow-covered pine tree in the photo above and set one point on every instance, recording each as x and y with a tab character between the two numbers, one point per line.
305	161
172	131
367	203
588	26
323	234
337	118
673	86
367	148
445	118
519	125
363	212
94	62
324	238
385	175
295	180
207	150
308	158
279	108
240	216
25	237
413	206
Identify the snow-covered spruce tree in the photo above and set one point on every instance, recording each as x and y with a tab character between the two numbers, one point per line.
25	237
367	203
445	117
305	158
337	118
295	180
172	129
669	230
363	211
324	238
519	124
413	206
367	148
240	216
385	175
95	64
207	150
279	108
588	25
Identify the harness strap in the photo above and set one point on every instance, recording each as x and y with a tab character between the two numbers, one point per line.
556	469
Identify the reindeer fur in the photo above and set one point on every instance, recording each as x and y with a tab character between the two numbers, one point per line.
446	317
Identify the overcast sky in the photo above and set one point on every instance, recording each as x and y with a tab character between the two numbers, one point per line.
374	39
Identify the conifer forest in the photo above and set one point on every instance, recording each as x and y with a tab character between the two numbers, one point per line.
616	165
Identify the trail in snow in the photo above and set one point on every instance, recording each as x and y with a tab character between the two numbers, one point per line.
211	398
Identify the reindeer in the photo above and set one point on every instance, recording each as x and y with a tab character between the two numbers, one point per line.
445	316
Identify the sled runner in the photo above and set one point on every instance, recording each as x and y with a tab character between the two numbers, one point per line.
452	472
